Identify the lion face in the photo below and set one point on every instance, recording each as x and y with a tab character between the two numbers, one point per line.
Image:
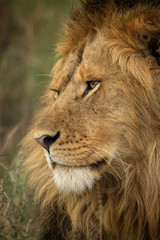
78	128
100	107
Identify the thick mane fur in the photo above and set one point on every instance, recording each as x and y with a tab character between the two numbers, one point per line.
130	190
93	14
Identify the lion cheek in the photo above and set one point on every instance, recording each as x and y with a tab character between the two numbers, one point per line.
76	180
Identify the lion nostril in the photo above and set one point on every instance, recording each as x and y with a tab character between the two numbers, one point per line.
46	141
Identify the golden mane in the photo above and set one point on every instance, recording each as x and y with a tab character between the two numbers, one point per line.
124	204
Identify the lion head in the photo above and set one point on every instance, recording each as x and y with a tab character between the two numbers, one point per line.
94	145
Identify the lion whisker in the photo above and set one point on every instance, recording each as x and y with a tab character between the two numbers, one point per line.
114	157
109	163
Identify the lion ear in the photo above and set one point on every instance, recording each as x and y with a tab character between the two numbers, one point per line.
147	29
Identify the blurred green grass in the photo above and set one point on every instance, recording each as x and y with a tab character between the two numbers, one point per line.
29	31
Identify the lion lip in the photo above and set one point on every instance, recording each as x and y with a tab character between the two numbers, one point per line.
95	165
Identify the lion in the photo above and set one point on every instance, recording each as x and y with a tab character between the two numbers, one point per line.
93	150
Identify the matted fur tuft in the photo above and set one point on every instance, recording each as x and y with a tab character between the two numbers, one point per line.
116	44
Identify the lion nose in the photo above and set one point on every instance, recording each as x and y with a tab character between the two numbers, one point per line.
46	141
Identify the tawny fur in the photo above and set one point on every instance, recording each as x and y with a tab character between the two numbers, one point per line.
118	44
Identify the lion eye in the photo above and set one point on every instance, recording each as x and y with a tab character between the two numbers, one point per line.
90	85
56	95
57	92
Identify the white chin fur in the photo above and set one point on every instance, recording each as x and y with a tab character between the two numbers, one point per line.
73	179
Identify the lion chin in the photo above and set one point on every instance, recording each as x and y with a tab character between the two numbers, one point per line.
70	179
73	179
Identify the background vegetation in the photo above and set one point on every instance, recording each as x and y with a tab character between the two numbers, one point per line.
29	30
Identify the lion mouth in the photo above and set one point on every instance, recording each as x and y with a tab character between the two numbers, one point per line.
95	165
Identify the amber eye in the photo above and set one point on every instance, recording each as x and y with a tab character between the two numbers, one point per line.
90	85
